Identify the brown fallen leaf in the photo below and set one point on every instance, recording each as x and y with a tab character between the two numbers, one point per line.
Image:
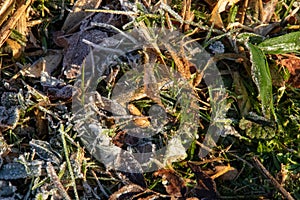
135	192
126	192
292	63
268	11
174	184
48	63
41	123
141	122
227	173
220	7
15	47
122	139
206	186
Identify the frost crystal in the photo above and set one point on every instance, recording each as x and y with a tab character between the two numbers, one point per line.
217	47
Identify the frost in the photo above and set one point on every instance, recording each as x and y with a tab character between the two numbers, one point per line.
217	47
9	117
44	151
9	99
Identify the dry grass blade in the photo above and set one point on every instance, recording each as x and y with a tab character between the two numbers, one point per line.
11	23
243	11
187	14
5	4
268	11
63	133
55	179
6	7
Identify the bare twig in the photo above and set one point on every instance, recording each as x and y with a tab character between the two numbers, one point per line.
277	185
99	184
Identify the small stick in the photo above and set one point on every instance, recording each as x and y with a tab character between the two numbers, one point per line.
99	184
260	166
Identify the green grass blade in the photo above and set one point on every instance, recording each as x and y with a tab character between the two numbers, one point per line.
262	78
287	43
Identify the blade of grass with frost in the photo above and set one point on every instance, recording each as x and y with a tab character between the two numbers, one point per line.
288	43
262	78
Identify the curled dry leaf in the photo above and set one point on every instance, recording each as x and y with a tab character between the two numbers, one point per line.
142	121
226	173
174	184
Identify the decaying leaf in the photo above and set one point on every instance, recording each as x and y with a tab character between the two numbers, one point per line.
78	14
142	121
135	192
21	169
206	186
220	7
60	92
44	151
9	118
174	184
126	192
15	47
268	11
292	64
226	173
48	64
42	126
73	59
